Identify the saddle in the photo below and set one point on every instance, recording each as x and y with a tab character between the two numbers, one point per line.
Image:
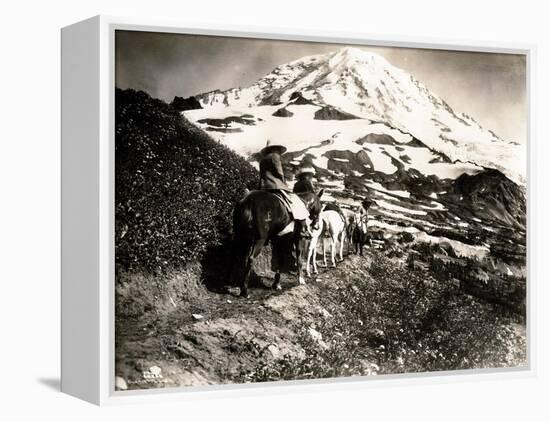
295	207
279	194
284	199
335	208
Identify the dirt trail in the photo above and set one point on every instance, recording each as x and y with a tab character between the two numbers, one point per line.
226	335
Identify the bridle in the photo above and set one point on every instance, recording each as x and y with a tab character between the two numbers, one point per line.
315	213
313	205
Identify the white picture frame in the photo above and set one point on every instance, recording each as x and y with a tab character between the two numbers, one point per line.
88	212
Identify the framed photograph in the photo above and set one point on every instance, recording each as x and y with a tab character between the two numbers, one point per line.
248	208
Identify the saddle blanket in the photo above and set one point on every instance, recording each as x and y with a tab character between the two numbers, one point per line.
293	204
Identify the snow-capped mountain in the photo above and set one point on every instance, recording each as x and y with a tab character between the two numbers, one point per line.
372	130
364	88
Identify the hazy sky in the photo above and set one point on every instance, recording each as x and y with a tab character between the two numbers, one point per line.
489	87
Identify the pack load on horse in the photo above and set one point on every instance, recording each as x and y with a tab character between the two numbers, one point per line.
270	214
360	235
331	206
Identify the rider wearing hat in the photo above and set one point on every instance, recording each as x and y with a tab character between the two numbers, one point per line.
363	211
272	177
304	181
366	204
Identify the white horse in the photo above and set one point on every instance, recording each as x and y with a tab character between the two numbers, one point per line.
312	249
332	224
335	227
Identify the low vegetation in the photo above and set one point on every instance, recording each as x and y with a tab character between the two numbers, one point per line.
386	318
175	186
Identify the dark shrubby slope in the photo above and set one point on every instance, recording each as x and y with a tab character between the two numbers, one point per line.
175	186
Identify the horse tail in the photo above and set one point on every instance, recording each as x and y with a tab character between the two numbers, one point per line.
242	221
242	238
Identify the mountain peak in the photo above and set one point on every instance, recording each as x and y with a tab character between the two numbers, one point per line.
357	54
363	63
364	84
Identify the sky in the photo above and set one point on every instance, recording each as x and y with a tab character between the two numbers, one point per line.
489	87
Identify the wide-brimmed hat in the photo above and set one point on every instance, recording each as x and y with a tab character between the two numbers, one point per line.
367	203
270	147
305	170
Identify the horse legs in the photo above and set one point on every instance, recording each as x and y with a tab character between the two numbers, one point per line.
325	252
333	251
311	251
247	266
315	270
278	258
299	244
313	254
346	240
342	237
308	257
277	283
251	254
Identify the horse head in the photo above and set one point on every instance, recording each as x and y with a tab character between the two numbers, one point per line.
313	205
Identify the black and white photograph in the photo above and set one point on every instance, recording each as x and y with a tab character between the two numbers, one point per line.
289	210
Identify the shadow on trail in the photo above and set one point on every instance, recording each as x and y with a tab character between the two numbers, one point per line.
218	267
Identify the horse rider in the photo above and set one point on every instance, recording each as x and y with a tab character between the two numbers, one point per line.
272	178
363	212
304	183
304	179
366	204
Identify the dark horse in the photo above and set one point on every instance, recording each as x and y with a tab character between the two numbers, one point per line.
259	218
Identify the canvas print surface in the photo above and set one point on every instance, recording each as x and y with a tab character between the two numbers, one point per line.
297	210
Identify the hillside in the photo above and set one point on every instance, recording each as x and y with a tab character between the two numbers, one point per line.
499	196
175	186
